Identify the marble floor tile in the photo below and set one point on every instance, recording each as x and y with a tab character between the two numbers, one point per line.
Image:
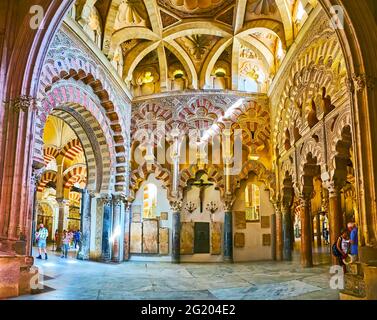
70	279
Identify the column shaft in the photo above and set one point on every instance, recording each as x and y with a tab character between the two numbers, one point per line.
116	230
273	236
176	237
127	230
86	206
306	237
228	236
335	217
318	227
279	235
287	233
106	231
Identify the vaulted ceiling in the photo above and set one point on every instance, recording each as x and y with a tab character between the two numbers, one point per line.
163	45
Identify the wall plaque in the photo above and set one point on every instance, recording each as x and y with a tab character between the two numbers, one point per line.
239	240
216	237
240	219
266	240
164	241
187	237
136	237
150	236
265	222
164	216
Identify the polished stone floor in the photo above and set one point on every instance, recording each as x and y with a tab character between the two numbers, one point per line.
70	279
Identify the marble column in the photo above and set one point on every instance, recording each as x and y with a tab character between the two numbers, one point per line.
31	237
63	213
318	227
228	235
335	215
127	231
279	232
106	229
176	232
116	229
86	207
306	237
273	236
287	233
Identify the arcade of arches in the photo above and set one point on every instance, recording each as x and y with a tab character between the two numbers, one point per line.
189	131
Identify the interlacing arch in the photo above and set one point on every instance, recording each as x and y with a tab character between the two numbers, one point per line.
314	149
336	135
147	117
254	120
199	113
312	79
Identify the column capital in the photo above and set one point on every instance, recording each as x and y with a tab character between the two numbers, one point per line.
333	187
362	81
118	199
36	176
23	103
228	202
176	205
106	199
62	202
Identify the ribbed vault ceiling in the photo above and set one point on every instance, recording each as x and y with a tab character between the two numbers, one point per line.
162	45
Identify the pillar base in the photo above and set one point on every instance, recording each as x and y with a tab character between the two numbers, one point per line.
17	275
228	260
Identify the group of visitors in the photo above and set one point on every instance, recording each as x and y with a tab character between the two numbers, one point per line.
70	239
347	245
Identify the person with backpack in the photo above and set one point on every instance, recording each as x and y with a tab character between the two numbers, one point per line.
341	248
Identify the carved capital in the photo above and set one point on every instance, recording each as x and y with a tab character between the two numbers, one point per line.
362	81
36	176
23	103
176	205
106	200
228	202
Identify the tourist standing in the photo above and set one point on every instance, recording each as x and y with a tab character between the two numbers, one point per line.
66	239
77	238
342	246
41	236
354	251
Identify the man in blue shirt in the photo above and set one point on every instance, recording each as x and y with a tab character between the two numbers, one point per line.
353	240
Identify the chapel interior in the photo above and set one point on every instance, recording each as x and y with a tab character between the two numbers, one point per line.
217	132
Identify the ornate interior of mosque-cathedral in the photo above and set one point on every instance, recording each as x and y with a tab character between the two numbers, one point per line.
222	131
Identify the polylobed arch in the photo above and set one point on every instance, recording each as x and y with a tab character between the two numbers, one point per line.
142	173
262	173
214	173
